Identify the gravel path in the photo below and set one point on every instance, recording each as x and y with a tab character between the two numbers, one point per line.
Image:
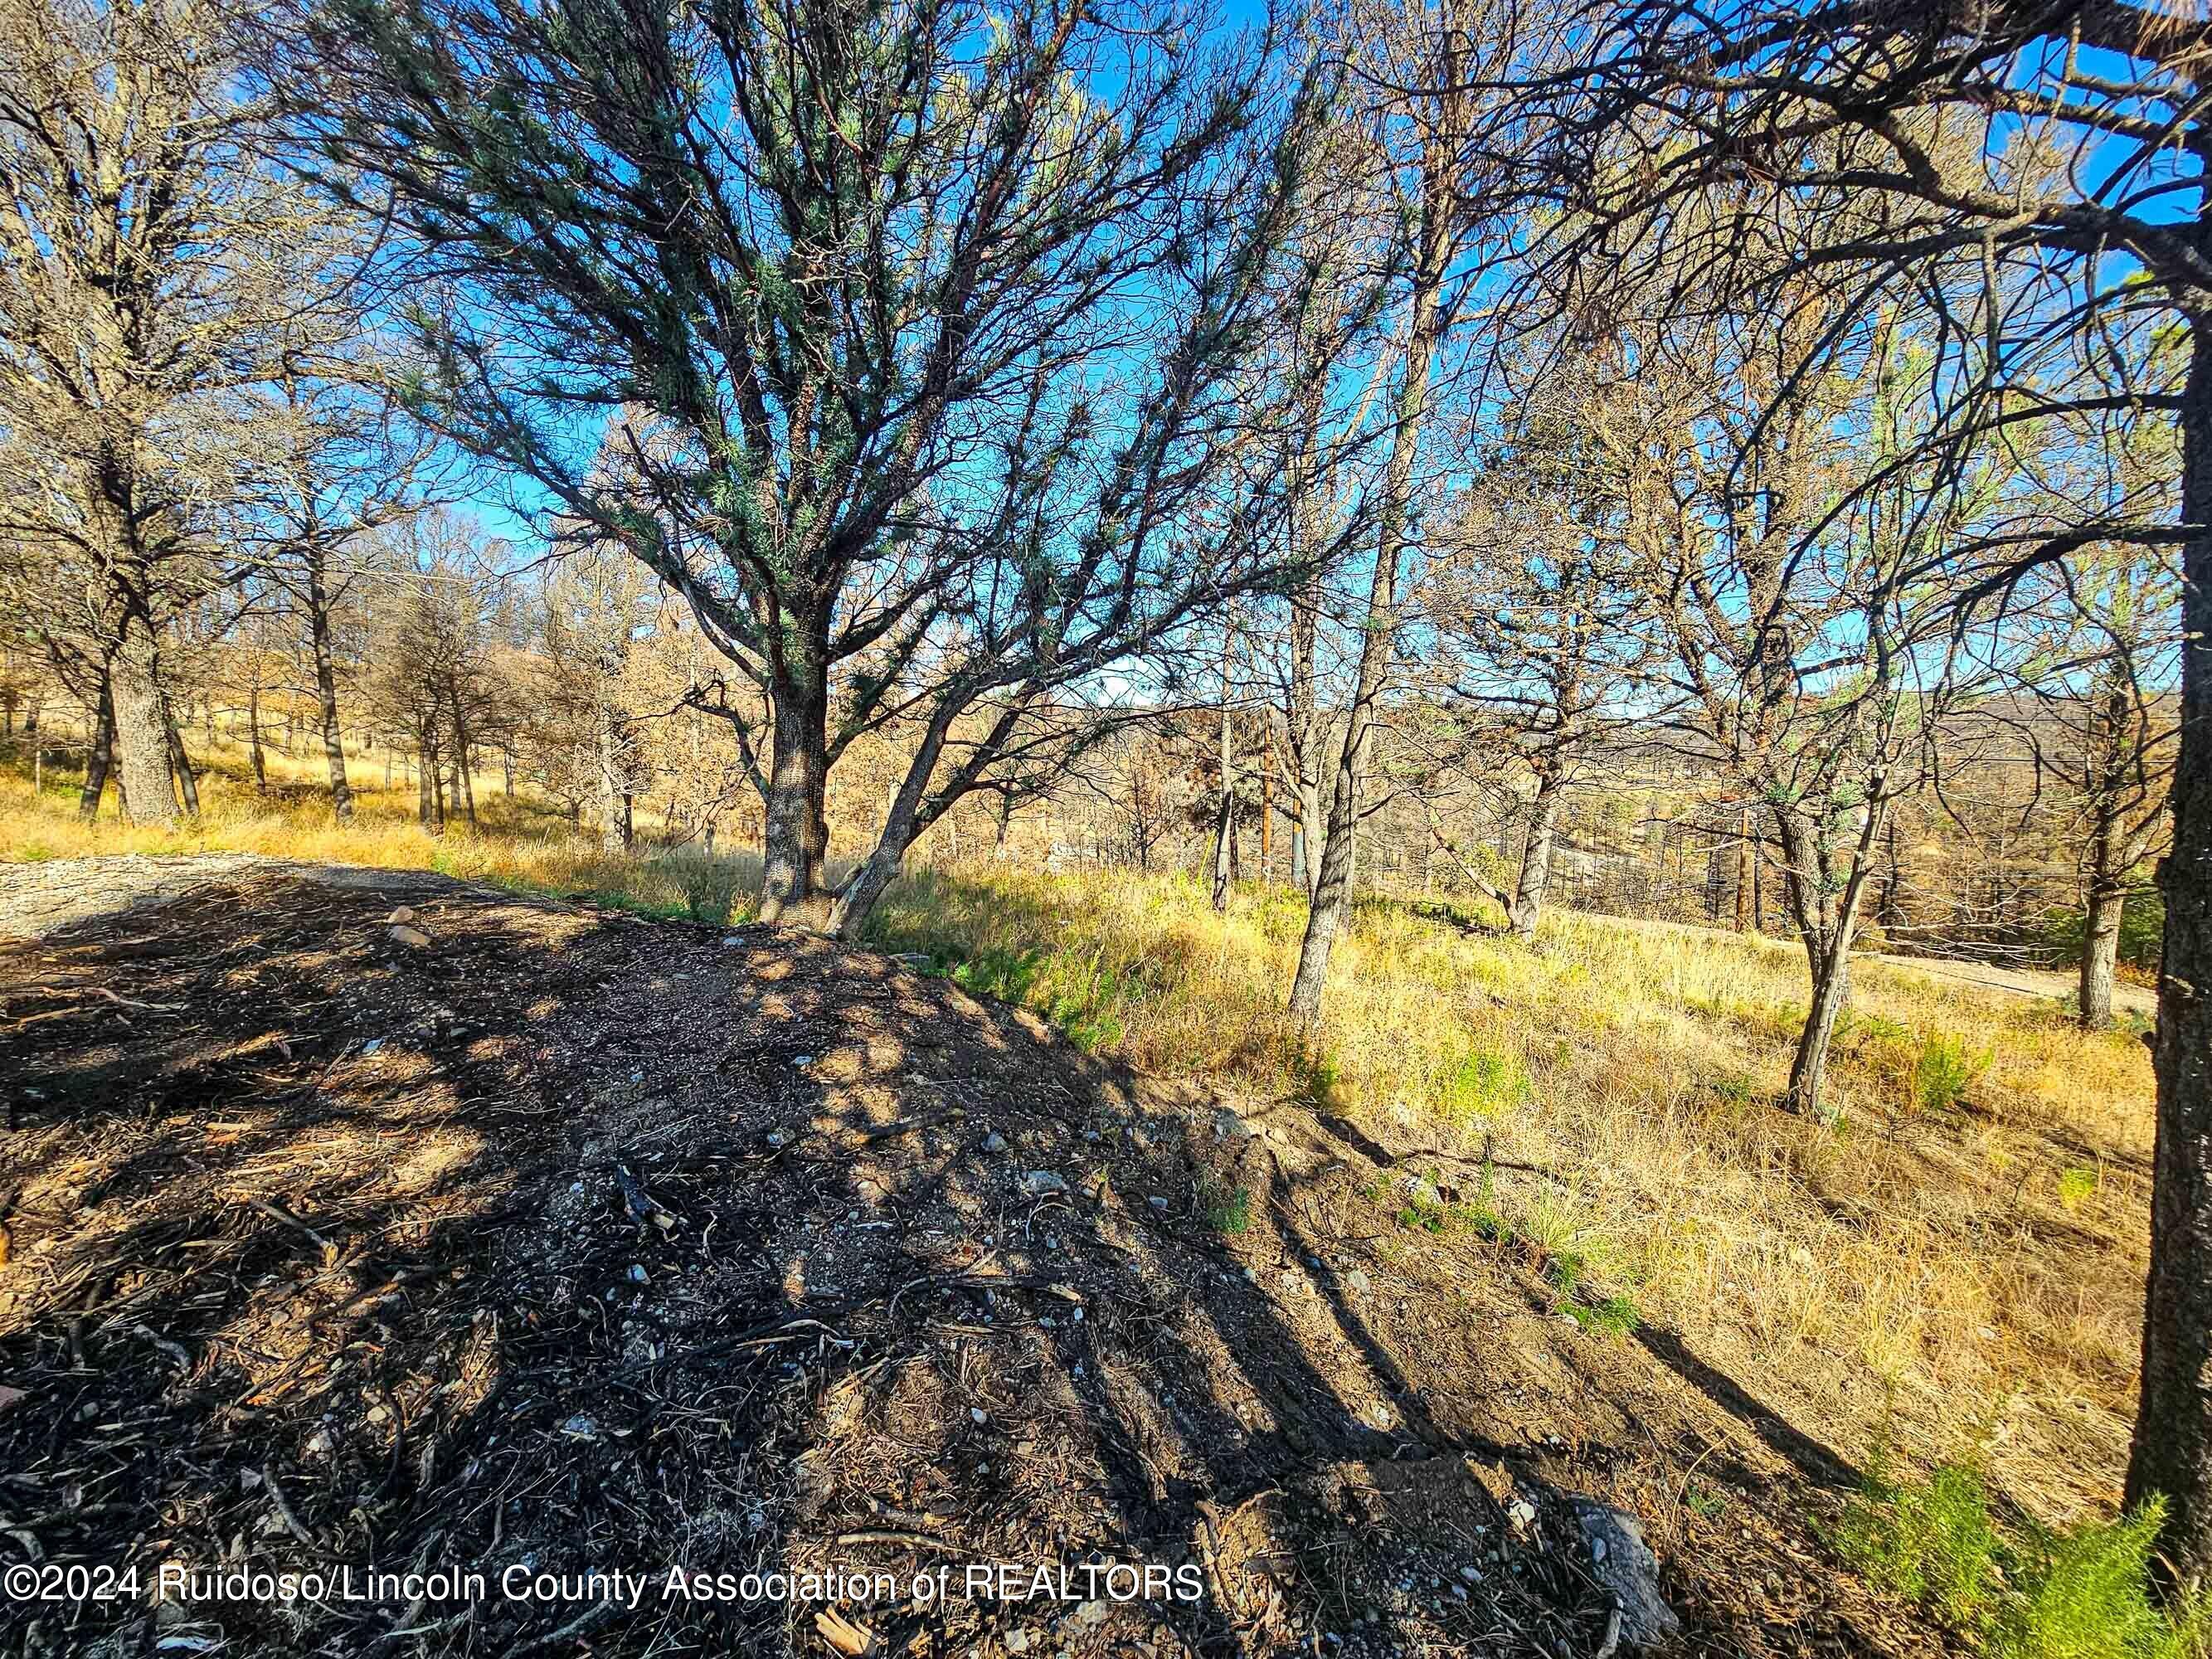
2023	982
41	899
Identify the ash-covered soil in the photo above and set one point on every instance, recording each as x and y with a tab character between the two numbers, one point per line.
528	1243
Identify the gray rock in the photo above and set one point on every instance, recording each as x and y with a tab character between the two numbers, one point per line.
1043	1184
1626	1566
994	1142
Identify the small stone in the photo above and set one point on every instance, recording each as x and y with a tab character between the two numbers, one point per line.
1043	1184
1017	1641
1159	1204
978	1414
413	938
405	913
637	1272
1472	1575
731	941
994	1142
1229	1125
1356	1279
779	1138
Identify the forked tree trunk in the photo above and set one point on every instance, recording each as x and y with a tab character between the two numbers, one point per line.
2172	1455
1332	898
465	784
1827	921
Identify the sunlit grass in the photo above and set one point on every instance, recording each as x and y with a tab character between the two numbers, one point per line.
1970	1242
1939	1245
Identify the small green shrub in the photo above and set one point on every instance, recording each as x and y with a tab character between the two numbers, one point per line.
1228	1210
2077	1186
1946	1071
1702	1501
2084	1592
1565	1271
1484	1082
1931	1543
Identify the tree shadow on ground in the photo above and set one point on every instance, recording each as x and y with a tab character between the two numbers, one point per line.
571	1245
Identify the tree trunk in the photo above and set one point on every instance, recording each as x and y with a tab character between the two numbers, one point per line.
1535	859
1332	897
2172	1455
794	839
1224	806
2100	937
465	785
180	763
253	733
97	754
326	685
143	766
426	807
1743	872
1827	920
903	822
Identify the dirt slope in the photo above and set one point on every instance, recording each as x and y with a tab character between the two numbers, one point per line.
567	1243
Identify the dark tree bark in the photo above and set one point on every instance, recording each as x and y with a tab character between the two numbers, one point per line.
796	838
98	754
188	783
327	682
2172	1455
465	787
253	734
144	769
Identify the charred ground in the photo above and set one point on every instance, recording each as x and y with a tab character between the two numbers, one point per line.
571	1240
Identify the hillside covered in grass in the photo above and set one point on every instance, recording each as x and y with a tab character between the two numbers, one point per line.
1957	1264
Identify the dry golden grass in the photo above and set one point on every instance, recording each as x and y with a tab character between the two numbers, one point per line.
1979	1265
520	844
1973	1271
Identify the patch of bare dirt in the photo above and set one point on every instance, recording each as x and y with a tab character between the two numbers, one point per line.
563	1244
